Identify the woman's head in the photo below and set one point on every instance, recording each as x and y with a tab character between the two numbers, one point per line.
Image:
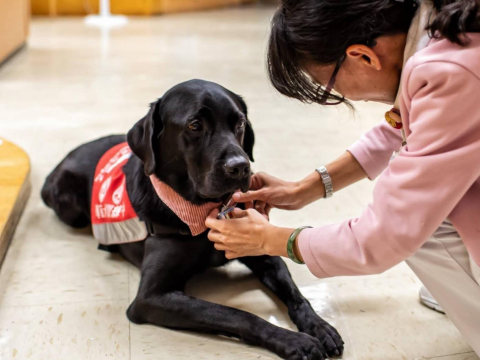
310	37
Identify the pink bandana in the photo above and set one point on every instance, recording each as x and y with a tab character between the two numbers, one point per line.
192	215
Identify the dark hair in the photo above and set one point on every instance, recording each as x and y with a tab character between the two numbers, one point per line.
320	31
454	18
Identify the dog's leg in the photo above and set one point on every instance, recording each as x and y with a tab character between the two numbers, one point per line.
166	267
274	274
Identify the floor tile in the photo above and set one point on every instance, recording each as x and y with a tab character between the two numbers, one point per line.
49	263
236	287
386	321
80	331
463	356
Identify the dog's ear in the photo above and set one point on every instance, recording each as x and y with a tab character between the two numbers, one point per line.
249	138
143	137
249	141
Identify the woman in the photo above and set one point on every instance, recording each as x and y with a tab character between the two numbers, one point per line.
426	203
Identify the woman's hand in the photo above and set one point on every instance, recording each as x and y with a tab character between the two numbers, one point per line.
269	192
247	234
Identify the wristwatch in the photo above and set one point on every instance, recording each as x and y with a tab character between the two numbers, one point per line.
326	180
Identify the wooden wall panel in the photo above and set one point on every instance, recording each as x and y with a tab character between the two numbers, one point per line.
14	23
127	7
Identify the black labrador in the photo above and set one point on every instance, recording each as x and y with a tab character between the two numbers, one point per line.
198	140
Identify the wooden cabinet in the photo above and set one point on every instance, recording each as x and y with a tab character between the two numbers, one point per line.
14	190
127	7
14	22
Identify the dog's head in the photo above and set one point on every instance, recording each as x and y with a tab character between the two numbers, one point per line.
198	140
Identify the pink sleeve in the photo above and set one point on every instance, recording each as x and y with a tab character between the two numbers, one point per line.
419	188
374	149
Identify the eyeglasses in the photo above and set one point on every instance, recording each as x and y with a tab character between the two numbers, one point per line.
327	92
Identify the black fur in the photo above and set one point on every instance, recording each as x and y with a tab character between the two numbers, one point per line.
193	163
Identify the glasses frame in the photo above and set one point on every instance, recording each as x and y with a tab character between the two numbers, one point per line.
331	83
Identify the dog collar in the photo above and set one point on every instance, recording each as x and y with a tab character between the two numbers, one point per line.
192	215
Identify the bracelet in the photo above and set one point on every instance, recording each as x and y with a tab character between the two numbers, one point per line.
326	180
291	242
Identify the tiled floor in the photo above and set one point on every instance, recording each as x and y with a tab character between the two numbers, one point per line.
60	298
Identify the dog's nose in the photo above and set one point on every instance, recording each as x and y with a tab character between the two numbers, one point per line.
237	167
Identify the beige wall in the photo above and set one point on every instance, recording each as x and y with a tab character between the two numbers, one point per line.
14	21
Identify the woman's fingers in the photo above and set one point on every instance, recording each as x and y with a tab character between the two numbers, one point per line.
231	255
212	222
251	195
249	205
239	213
260	207
215	236
286	207
214	213
240	235
221	247
268	208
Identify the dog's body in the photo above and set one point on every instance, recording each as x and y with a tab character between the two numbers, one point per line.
202	163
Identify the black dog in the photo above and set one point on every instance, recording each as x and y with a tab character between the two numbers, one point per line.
197	139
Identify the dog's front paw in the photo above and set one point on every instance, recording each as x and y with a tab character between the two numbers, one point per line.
300	346
326	333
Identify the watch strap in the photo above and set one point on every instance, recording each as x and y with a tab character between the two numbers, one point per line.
326	180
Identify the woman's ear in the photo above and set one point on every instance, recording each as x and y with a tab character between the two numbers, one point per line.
365	55
143	137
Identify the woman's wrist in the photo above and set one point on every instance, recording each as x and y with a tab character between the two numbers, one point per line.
310	189
344	171
296	250
276	239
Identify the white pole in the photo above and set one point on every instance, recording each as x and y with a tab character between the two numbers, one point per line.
105	8
106	19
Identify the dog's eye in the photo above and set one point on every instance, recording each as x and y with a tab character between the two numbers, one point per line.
241	125
195	125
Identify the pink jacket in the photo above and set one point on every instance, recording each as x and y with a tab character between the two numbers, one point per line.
436	176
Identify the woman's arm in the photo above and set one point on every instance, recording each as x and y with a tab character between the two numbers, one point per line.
344	171
368	157
267	189
421	186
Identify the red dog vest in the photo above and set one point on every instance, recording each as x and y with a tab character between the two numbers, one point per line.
114	220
